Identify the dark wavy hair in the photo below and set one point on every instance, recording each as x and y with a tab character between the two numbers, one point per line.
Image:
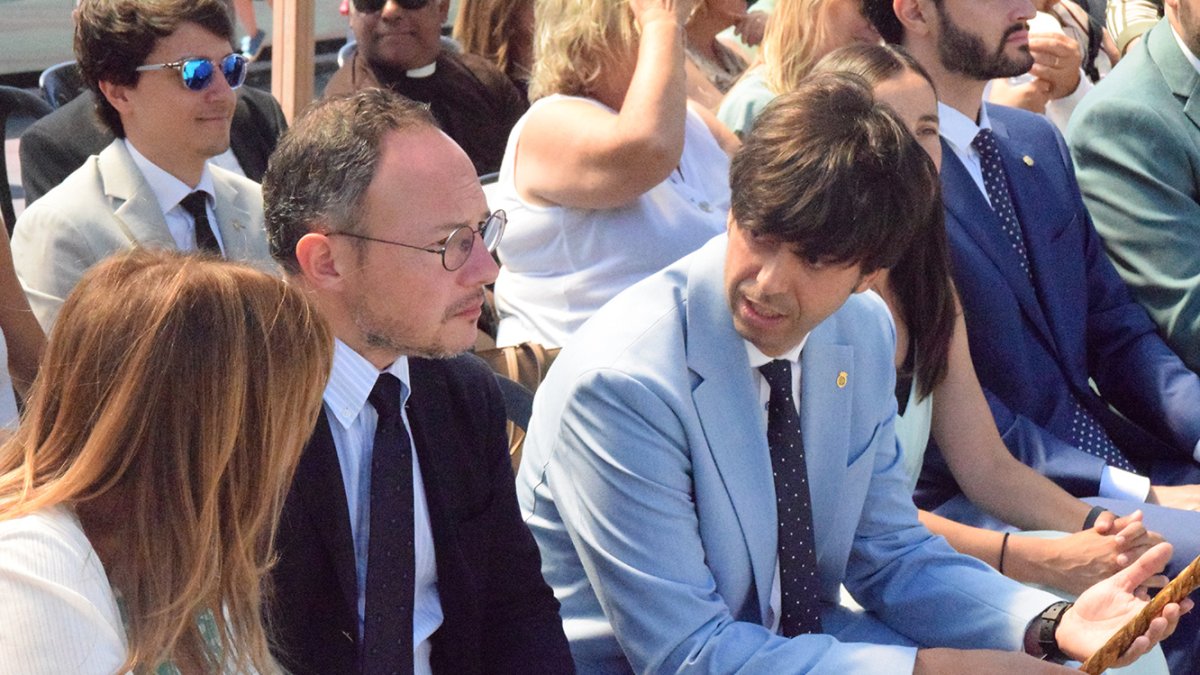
883	17
835	173
921	279
114	37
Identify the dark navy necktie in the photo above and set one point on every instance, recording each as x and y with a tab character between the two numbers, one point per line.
996	184
196	206
1085	432
798	580
388	619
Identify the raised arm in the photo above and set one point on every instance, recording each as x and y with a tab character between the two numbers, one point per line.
572	153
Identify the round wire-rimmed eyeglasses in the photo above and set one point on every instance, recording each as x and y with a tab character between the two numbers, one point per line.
455	249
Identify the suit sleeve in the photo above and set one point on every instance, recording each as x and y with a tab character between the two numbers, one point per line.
1151	223
523	630
632	518
50	254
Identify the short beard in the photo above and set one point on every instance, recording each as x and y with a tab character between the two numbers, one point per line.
963	52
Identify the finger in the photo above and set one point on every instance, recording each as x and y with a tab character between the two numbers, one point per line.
1106	521
1121	521
1151	563
1137	649
1131	532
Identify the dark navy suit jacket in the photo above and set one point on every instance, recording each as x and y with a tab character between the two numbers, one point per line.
1036	345
500	616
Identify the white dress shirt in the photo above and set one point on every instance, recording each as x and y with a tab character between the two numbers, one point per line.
959	130
352	422
169	191
757	359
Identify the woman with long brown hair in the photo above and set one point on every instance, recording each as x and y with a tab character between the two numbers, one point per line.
139	496
500	31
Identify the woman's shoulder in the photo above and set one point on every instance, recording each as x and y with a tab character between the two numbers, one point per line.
49	545
58	606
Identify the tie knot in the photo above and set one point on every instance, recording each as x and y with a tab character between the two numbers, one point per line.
195	204
385	396
779	377
985	142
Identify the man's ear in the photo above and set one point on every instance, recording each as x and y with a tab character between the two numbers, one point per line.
318	261
867	281
914	15
117	95
445	11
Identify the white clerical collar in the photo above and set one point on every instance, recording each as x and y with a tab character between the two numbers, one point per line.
759	359
1187	53
959	129
168	189
423	71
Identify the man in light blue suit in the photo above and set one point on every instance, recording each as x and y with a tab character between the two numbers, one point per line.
651	471
1045	310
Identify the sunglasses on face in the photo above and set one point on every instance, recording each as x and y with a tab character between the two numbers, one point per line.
197	73
372	6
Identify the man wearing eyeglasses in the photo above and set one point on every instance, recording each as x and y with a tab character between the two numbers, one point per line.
401	548
163	75
400	47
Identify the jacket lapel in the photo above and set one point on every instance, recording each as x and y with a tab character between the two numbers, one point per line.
1177	71
726	400
827	381
135	208
323	493
233	220
975	216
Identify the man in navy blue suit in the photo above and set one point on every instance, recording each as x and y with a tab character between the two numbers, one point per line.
1046	313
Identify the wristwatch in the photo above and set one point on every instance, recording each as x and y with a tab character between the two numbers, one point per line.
1040	640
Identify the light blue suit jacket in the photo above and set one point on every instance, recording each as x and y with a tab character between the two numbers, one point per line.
646	481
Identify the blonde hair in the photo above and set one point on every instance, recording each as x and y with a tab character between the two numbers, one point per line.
795	34
181	389
488	28
574	40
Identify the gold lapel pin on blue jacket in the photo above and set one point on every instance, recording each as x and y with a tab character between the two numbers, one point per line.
1028	160
842	378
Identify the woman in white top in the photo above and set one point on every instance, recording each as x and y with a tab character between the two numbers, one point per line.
945	399
609	176
139	496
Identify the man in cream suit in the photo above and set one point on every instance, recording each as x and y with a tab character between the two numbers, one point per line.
169	102
692	516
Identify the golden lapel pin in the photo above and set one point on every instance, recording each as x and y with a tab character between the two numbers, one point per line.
841	379
1028	160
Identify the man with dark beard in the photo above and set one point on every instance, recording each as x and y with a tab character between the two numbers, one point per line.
1044	307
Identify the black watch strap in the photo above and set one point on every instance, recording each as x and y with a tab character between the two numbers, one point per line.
1040	639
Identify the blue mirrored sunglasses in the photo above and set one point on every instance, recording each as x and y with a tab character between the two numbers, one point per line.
197	72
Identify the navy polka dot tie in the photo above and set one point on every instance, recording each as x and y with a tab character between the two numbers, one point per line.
1087	434
798	581
996	184
388	618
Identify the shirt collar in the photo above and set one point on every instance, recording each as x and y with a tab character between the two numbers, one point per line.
1187	53
759	359
423	71
168	189
352	379
958	129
